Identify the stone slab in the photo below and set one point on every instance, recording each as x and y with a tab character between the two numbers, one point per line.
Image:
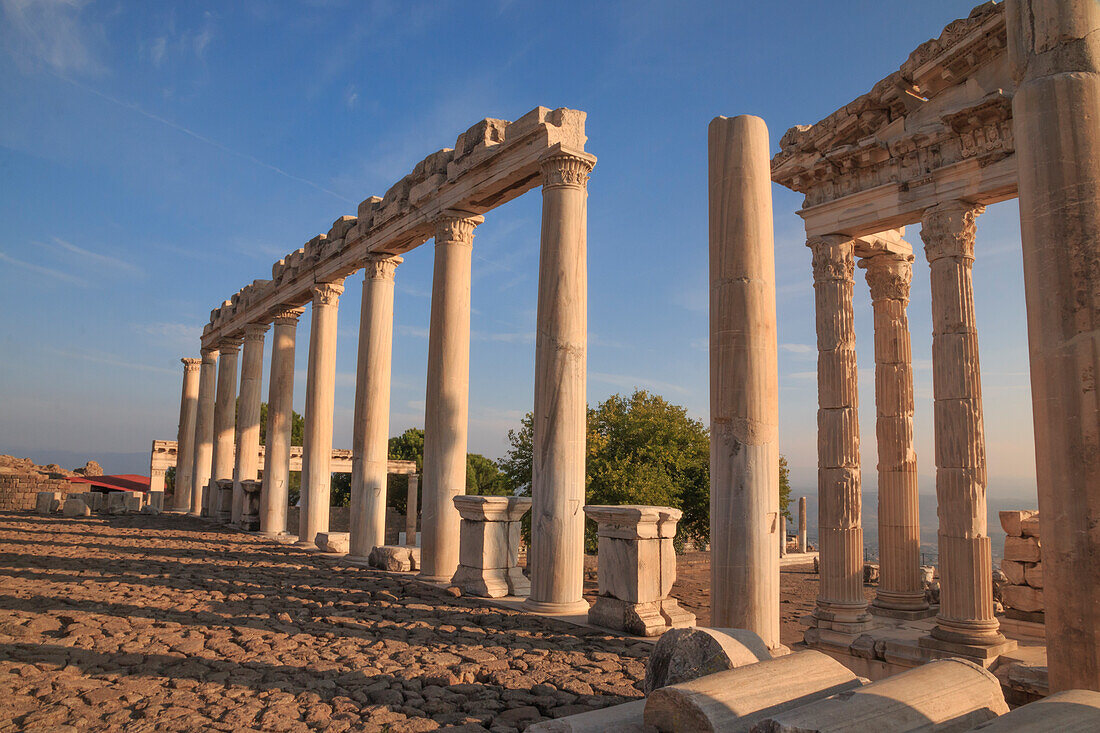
625	718
1011	521
48	502
1023	597
334	542
1022	549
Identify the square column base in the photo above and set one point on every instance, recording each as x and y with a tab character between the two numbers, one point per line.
641	619
983	654
894	613
491	582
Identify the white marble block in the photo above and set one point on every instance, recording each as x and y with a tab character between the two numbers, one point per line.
488	553
250	511
637	568
334	542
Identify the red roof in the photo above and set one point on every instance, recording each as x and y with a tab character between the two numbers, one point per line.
121	482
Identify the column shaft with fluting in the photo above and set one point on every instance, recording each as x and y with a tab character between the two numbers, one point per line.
204	434
1055	50
370	441
280	423
746	530
840	602
185	436
248	414
900	589
225	407
803	543
446	404
556	555
966	565
411	510
320	403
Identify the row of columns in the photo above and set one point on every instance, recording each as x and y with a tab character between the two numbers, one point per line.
219	438
966	606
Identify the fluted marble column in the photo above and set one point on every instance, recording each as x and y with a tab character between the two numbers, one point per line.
745	523
411	510
248	414
900	592
370	442
204	434
320	399
1054	47
225	407
446	409
280	419
556	556
803	544
840	602
966	566
185	436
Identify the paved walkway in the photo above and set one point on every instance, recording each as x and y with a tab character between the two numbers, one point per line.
143	623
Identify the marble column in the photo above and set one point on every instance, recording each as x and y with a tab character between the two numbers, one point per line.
371	427
411	510
280	418
225	407
1054	47
841	605
803	526
320	403
966	566
248	415
448	394
556	555
204	434
900	592
745	524
185	436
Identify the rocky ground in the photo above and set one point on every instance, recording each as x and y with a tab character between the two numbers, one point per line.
143	623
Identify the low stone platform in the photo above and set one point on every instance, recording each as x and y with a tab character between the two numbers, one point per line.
168	623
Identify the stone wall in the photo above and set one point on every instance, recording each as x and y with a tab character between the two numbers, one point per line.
18	491
339	520
1023	566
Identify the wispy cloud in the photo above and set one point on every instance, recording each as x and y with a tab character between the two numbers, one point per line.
53	34
57	274
798	348
99	358
630	382
104	260
522	337
413	331
351	96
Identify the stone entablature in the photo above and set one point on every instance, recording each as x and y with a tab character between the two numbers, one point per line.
492	163
164	457
941	124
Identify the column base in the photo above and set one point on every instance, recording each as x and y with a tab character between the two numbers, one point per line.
491	582
306	545
906	606
903	615
566	608
980	653
641	619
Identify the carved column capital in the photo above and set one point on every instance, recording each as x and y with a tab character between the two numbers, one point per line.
889	275
191	365
209	355
381	267
566	169
255	331
288	316
327	293
949	229
228	345
456	227
833	258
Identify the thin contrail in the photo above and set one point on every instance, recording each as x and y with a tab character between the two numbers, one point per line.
200	138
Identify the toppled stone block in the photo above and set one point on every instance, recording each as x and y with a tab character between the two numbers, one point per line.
48	502
396	558
1022	549
1011	521
625	718
1023	597
334	542
75	507
1069	710
736	699
682	655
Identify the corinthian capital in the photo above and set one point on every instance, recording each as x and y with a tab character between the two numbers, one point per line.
380	267
889	275
833	258
191	365
229	345
327	293
456	227
949	229
561	168
255	331
288	316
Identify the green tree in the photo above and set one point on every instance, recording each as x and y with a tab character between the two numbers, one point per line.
516	464
409	446
483	477
785	489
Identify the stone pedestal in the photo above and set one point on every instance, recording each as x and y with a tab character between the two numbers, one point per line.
411	510
250	504
320	399
371	421
1054	48
185	436
225	408
280	401
556	556
204	433
637	568
488	555
248	416
446	406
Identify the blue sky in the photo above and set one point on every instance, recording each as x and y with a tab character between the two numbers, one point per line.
158	156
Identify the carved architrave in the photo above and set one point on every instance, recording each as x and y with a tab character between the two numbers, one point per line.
191	365
456	227
949	230
327	293
833	258
381	267
288	316
889	276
